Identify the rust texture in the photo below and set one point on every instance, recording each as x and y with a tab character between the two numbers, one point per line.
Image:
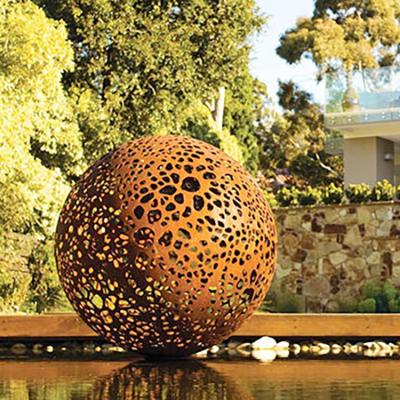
166	245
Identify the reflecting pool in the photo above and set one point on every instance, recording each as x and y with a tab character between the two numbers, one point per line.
200	380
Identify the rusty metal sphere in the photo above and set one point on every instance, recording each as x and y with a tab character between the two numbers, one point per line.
166	245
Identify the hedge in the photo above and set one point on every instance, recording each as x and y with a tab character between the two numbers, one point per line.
332	194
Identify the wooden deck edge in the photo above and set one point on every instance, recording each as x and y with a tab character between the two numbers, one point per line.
276	325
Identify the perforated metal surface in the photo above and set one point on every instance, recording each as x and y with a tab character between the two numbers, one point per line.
166	246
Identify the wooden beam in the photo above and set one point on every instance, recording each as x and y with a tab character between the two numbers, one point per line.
320	325
277	325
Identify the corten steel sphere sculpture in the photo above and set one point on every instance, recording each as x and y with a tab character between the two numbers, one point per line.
166	245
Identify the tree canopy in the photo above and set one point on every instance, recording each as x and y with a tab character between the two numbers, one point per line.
346	34
40	143
39	136
140	65
295	140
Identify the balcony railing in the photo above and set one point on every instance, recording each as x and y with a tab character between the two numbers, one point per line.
365	96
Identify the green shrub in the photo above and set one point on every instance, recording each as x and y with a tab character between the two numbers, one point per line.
45	291
309	196
14	286
271	199
360	193
347	306
288	197
283	302
332	194
375	298
370	289
385	298
383	191
394	306
367	306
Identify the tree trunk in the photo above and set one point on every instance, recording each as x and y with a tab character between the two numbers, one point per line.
218	112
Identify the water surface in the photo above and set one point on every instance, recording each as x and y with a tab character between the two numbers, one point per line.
200	380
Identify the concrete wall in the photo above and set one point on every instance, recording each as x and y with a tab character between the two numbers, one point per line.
385	167
364	160
326	254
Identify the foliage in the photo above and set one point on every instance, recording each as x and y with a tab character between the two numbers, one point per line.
309	196
282	302
14	274
200	124
358	193
347	34
375	298
45	292
296	139
14	285
332	194
40	144
383	298
299	129
244	116
383	191
347	305
288	197
367	306
271	199
33	108
141	64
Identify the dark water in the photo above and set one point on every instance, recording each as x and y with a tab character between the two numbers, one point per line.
191	380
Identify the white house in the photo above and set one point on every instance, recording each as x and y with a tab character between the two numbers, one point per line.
365	107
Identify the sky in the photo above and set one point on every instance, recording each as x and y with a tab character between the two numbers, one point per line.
265	64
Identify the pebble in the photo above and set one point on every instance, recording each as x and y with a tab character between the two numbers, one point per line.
213	350
49	349
244	352
305	348
324	349
263	355
314	349
244	349
283	345
282	353
336	349
244	346
201	354
233	344
265	342
295	349
18	349
37	349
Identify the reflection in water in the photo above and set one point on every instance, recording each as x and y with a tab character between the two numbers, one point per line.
191	380
180	380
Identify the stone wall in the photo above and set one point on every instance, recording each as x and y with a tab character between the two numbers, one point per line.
326	254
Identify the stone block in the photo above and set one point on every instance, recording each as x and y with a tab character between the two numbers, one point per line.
335	228
337	258
353	237
374	258
293	221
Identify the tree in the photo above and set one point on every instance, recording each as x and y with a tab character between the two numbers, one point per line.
245	100
295	141
140	65
346	35
40	143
